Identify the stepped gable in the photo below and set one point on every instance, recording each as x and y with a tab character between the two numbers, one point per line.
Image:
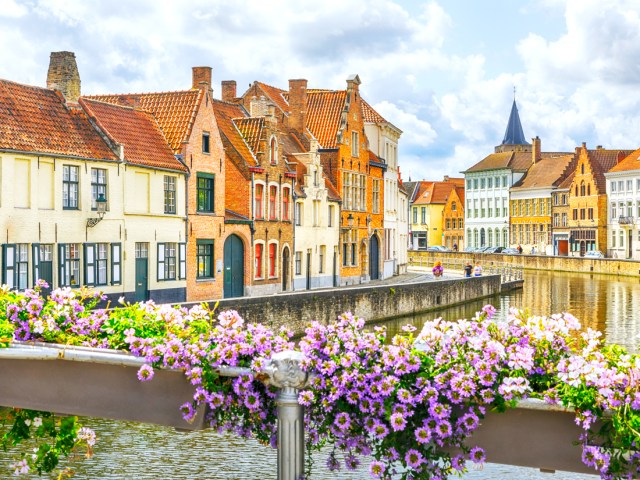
629	163
514	135
602	161
144	143
175	112
35	119
549	171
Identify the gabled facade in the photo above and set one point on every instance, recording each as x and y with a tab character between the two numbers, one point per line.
383	141
260	185
623	194
427	211
64	159
317	228
531	199
188	123
487	187
560	216
453	220
334	118
588	199
403	227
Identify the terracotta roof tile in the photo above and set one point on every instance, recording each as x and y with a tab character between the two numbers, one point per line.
370	115
324	110
34	119
434	192
629	163
549	171
278	96
566	183
144	143
251	130
174	111
602	161
225	114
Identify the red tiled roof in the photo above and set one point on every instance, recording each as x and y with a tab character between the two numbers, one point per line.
235	146
423	194
174	111
144	143
547	172
278	95
370	115
34	119
324	110
251	130
434	192
602	161
629	163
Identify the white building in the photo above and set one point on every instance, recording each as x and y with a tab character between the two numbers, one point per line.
383	139
623	199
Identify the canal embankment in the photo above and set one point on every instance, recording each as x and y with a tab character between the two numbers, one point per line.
373	302
604	266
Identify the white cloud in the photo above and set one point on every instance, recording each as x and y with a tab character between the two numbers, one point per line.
12	9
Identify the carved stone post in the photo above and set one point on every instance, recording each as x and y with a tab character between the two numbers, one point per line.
285	373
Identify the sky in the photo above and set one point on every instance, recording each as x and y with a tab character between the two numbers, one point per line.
445	72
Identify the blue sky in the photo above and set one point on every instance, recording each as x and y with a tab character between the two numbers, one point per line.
442	71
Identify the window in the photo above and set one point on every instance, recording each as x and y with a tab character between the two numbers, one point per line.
205	192
582	214
415	214
575	213
95	264
590	214
490	182
273	257
564	199
273	198
70	176
298	213
167	261
475	184
469	184
504	182
564	219
316	213
330	216
453	206
169	194
613	239
69	264
348	248
116	262
273	151
205	142
423	215
298	263
321	258
620	186
355	143
257	201
482	183
582	169
613	187
376	196
204	258
98	185
614	211
258	260
286	200
629	185
15	262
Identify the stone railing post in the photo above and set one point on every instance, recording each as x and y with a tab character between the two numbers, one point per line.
285	373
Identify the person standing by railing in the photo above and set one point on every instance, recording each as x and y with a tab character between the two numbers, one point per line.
468	269
477	270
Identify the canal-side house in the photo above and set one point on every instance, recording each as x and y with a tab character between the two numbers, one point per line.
188	123
383	139
487	187
412	190
78	199
560	215
531	199
403	226
317	229
428	206
623	195
334	118
588	199
260	187
419	223
453	219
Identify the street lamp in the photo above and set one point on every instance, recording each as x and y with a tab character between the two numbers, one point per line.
350	220
101	208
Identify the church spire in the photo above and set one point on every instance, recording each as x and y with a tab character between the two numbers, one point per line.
514	134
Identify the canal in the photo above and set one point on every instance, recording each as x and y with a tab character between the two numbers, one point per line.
136	451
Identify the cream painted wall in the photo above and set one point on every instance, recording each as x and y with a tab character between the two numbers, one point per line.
32	212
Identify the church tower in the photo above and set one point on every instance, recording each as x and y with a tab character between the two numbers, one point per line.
514	139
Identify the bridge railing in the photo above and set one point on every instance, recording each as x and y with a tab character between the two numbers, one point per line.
508	272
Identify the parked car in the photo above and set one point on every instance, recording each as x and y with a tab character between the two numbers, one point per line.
437	248
510	251
594	254
493	250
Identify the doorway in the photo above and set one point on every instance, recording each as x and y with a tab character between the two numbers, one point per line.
233	267
374	258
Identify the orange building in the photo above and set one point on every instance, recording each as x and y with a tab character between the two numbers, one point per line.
588	199
453	219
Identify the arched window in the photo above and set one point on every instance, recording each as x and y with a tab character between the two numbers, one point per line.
285	203
273	148
583	190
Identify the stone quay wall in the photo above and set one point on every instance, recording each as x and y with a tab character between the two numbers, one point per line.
606	266
298	309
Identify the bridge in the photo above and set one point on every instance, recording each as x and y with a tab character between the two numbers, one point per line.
103	383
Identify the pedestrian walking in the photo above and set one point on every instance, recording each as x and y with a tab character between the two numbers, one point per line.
468	269
519	248
477	270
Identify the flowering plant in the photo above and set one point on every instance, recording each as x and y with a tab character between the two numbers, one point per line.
408	402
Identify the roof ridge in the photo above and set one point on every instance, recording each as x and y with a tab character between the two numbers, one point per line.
191	90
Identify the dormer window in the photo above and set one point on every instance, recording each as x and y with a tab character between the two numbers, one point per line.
273	149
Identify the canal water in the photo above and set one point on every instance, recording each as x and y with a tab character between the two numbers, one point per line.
136	451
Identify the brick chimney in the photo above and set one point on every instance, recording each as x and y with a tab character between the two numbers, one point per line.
536	146
298	104
228	90
201	78
63	75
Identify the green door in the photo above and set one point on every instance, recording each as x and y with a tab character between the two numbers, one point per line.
233	267
142	280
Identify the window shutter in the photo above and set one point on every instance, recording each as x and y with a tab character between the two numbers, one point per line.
90	264
35	255
62	277
161	274
182	259
9	263
116	264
